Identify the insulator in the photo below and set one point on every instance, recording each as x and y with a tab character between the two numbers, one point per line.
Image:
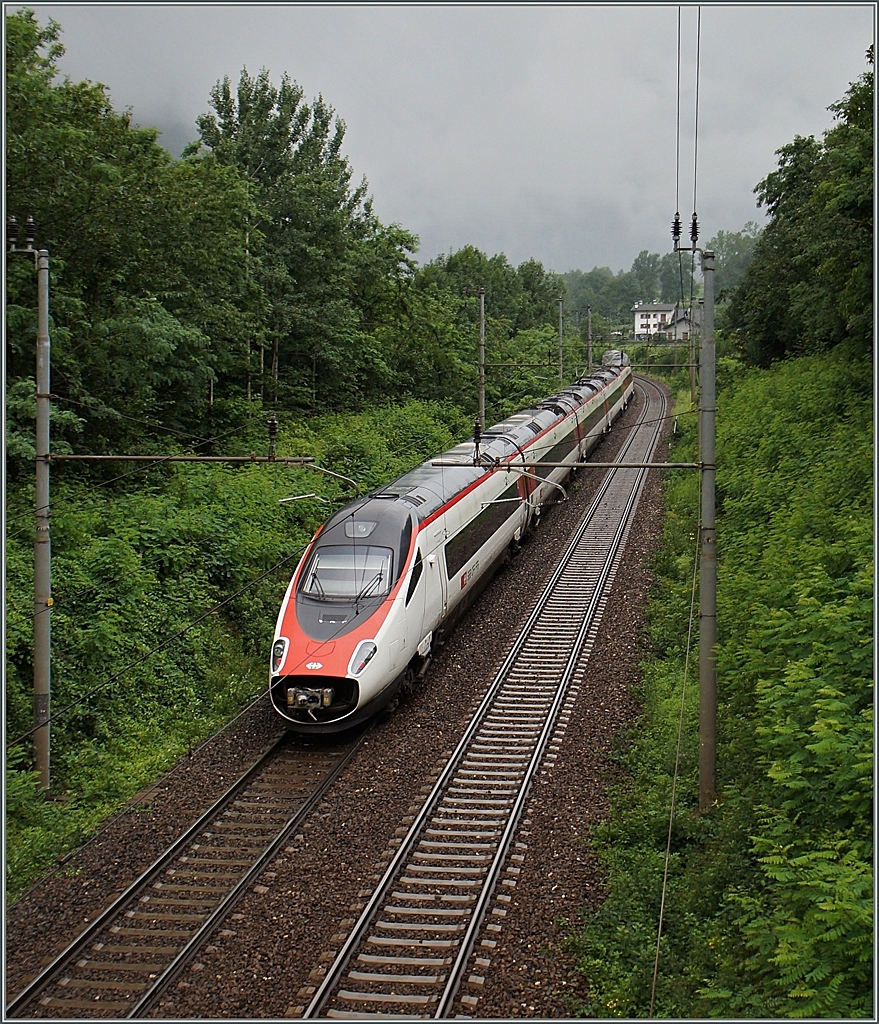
273	428
694	229
676	229
11	233
30	231
477	431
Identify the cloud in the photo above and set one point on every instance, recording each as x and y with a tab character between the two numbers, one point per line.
544	130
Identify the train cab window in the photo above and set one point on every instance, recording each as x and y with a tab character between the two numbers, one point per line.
417	570
343	572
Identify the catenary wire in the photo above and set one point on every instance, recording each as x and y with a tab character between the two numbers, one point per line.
53	505
696	113
415	443
155	650
130	419
676	772
678	133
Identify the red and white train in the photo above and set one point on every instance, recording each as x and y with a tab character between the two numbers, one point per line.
388	573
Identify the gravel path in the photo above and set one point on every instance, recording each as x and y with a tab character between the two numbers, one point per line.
263	957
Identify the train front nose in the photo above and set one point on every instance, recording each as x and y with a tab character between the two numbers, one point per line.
306	699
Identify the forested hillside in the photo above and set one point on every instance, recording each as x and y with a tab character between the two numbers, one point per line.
768	909
191	299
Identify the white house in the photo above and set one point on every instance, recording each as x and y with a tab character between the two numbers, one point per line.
652	317
667	320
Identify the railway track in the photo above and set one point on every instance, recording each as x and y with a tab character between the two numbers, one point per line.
413	948
129	955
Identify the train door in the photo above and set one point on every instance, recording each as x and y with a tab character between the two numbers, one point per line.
435	593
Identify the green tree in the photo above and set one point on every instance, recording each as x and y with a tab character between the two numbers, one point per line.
733	252
610	295
809	285
676	281
331	272
645	268
148	295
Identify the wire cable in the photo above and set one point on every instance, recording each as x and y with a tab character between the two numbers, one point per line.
62	503
696	115
676	773
130	419
415	443
678	130
155	650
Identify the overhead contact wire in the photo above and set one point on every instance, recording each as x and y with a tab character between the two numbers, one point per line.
696	115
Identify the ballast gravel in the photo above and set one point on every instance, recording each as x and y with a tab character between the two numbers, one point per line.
267	952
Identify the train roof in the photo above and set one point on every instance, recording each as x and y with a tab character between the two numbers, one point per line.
426	488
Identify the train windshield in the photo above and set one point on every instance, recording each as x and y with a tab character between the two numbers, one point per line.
348	572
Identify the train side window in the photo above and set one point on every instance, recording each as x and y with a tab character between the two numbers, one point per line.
416	576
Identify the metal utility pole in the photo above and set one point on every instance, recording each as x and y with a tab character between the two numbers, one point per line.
482	359
42	542
708	540
708	562
589	338
561	302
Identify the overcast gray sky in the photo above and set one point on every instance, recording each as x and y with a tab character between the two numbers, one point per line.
534	130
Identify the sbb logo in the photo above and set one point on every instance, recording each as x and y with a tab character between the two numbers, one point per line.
466	577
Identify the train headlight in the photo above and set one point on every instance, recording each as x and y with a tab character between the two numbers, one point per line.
279	648
363	656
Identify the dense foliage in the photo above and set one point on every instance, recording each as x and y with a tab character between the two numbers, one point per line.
768	908
769	903
192	297
810	284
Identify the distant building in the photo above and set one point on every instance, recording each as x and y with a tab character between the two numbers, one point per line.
683	322
652	317
665	321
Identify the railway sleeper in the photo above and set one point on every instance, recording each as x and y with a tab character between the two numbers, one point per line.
411	942
404	961
383	997
428	911
396	979
81	1004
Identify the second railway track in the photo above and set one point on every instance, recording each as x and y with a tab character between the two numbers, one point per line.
478	816
134	950
413	944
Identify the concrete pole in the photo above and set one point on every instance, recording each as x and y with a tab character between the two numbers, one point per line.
42	543
708	563
482	359
561	362
589	338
